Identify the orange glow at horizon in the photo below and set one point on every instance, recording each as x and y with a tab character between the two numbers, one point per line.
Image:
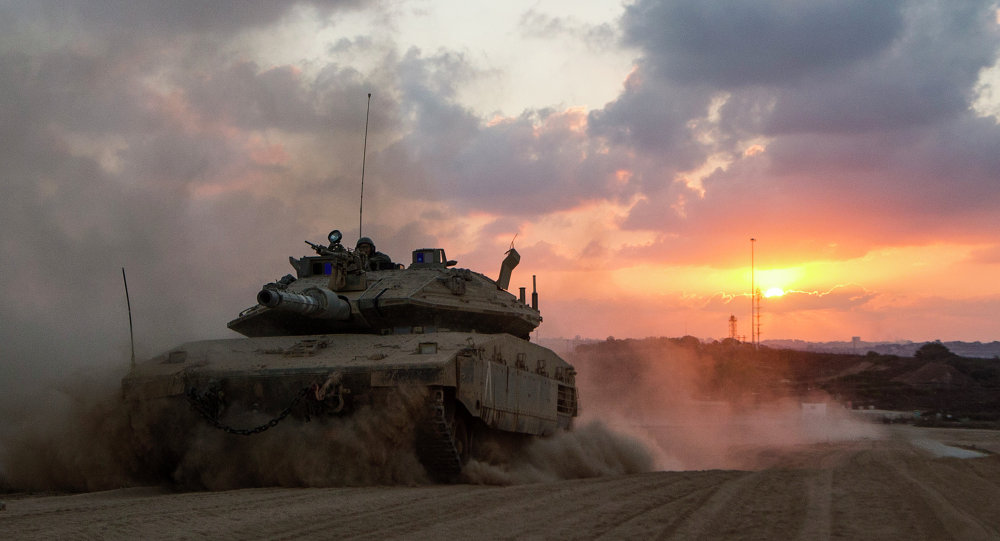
814	297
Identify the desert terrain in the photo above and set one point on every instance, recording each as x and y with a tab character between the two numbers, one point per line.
897	485
676	440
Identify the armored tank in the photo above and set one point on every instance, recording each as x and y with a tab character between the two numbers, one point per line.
351	326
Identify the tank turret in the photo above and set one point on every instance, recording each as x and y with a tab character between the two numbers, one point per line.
337	291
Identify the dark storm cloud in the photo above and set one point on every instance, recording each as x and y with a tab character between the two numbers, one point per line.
250	97
733	44
862	110
246	95
151	17
654	120
926	75
938	171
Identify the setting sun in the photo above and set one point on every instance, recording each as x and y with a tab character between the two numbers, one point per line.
774	292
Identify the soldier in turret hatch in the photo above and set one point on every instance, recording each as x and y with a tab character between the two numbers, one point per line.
376	260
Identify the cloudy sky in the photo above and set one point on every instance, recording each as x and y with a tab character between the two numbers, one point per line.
632	149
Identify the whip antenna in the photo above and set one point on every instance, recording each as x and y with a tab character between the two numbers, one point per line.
128	303
364	154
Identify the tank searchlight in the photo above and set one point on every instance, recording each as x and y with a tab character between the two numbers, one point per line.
314	302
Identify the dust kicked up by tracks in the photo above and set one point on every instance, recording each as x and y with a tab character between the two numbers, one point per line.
638	417
83	438
80	436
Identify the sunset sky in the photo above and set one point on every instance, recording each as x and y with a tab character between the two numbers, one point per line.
632	149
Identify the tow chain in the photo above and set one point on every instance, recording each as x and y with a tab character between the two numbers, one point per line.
201	405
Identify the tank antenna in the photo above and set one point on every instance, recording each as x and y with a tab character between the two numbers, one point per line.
128	303
364	154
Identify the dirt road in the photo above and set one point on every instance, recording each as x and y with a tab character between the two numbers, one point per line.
895	488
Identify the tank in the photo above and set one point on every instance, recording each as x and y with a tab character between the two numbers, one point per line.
348	328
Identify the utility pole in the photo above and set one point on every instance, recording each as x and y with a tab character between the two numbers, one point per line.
753	298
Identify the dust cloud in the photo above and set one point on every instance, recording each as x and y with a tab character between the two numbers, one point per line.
372	446
65	437
82	437
591	450
645	405
701	408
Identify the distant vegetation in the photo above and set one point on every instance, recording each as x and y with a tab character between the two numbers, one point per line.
905	348
940	387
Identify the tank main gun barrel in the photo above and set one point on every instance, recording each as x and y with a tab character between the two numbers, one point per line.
314	302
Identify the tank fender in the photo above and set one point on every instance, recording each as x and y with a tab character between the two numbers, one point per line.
508	398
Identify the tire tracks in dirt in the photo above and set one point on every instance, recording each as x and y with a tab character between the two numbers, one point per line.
883	494
872	490
949	497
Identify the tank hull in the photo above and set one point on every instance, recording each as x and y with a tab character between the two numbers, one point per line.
493	382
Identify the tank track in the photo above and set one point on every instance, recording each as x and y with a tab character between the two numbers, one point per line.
436	441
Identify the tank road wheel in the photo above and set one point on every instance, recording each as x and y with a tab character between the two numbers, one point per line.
462	437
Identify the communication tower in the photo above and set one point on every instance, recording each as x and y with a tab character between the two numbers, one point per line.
756	317
732	326
754	300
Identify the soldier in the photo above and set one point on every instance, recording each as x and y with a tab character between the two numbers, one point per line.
376	260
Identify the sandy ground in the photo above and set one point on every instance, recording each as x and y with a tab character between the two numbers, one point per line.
904	486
